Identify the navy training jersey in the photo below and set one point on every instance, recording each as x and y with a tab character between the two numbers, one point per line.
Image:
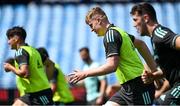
165	54
21	57
112	42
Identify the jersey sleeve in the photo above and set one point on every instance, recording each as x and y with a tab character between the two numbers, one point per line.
22	57
170	39
112	43
166	36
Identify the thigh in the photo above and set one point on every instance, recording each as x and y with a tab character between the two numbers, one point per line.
19	102
143	94
42	98
111	103
39	98
124	96
171	97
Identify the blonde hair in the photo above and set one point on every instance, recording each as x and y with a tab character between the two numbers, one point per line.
96	11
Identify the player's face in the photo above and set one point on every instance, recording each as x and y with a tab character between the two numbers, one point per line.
96	26
140	24
12	41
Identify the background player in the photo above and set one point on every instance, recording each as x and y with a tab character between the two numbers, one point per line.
61	91
31	78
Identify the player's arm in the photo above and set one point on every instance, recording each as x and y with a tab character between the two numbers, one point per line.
102	91
171	39
165	86
109	67
156	72
177	43
112	53
145	53
22	59
112	43
53	82
8	63
103	86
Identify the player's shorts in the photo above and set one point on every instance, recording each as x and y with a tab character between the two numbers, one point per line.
43	97
135	92
170	97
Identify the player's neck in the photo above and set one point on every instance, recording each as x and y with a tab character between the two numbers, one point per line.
89	61
107	26
20	44
151	28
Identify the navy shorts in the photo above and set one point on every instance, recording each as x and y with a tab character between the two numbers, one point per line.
135	92
170	97
43	97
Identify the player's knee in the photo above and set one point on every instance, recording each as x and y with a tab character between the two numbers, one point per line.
19	103
111	103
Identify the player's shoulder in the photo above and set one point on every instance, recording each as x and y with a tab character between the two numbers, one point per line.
111	35
19	51
161	31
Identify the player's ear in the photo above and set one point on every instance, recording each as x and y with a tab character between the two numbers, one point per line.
146	18
99	20
16	38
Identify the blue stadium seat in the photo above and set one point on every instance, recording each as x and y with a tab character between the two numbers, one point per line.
62	30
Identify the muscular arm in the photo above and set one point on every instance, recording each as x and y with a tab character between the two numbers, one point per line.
154	72
23	71
22	59
163	89
145	53
177	43
109	67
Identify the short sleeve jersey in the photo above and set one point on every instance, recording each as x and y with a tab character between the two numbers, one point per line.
165	54
27	55
113	41
22	57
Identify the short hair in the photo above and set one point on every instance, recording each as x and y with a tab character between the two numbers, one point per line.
84	48
144	8
44	54
93	12
16	30
10	61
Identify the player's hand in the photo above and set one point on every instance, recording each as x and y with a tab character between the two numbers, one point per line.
76	76
7	67
158	93
100	100
147	77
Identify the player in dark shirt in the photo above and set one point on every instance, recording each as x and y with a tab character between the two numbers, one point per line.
166	46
